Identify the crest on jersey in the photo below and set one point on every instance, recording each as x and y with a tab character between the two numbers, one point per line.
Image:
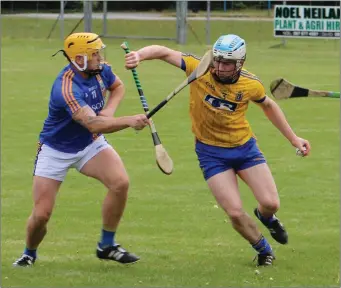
239	96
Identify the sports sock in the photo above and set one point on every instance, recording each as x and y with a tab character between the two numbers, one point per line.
108	238
31	252
262	246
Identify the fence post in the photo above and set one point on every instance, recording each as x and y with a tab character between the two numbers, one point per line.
208	29
61	20
105	13
269	7
181	27
283	39
87	15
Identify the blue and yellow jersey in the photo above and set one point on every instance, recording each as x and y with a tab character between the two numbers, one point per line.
70	92
218	110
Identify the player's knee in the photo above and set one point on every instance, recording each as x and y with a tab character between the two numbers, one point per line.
119	186
271	205
236	215
41	216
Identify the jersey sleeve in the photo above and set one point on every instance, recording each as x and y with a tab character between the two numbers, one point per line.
107	75
67	95
259	94
189	62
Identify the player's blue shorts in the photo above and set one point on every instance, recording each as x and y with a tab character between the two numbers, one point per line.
214	159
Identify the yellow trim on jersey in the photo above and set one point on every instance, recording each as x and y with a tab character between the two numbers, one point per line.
67	91
249	75
101	84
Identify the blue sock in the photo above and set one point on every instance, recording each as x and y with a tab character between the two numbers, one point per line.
108	238
262	246
31	252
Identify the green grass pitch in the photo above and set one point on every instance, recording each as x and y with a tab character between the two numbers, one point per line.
171	221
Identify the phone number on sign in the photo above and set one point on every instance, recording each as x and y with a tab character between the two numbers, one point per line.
307	34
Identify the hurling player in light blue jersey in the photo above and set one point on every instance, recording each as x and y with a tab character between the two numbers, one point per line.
72	138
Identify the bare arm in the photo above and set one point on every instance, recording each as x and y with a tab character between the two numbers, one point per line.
153	52
102	124
115	96
275	114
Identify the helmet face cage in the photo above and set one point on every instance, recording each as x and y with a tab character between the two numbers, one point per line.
230	48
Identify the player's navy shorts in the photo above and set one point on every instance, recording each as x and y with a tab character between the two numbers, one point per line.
214	159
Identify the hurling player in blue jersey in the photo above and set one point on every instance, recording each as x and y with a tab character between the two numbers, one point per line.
72	138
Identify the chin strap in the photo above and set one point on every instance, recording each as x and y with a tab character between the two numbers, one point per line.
93	72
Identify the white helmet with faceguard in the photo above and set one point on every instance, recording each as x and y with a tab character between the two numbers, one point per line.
229	48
